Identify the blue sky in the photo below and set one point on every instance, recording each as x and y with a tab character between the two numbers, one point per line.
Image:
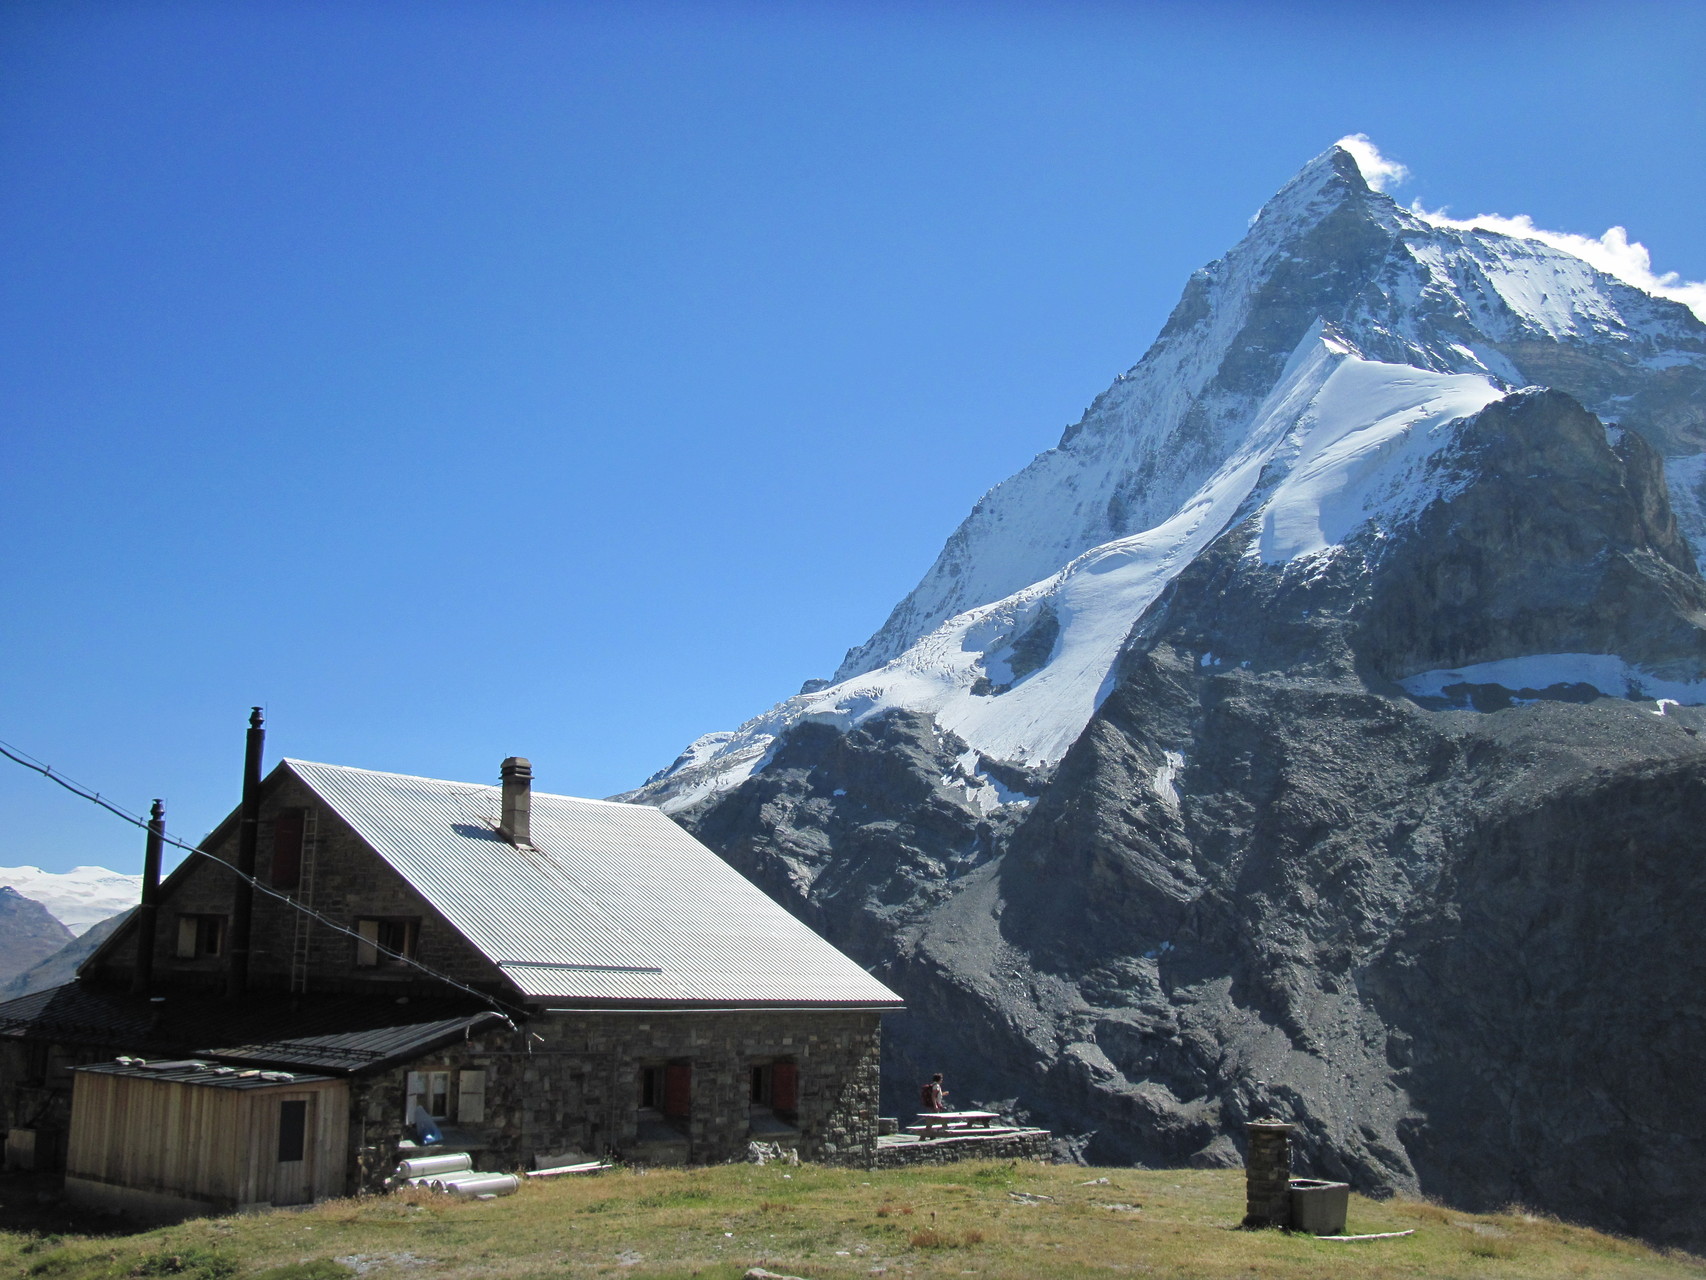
460	380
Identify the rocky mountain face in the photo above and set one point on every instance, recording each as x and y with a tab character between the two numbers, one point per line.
1315	732
28	933
60	966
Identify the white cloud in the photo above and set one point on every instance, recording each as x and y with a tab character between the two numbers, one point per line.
1613	253
1377	170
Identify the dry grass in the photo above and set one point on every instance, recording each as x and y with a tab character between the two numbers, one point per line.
1000	1221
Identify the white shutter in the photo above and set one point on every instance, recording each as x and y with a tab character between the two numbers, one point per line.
412	1094
186	937
471	1097
367	949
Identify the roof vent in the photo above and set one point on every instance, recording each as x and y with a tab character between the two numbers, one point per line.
517	800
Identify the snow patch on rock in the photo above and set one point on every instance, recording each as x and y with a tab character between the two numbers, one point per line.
1539	675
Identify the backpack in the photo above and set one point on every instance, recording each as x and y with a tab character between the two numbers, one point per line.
927	1094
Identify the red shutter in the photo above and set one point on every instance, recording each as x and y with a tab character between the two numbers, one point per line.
784	1086
677	1089
287	849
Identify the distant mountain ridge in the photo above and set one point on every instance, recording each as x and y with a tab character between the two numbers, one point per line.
78	898
60	966
28	933
1316	730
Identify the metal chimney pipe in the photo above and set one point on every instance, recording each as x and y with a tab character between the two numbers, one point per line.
515	824
248	837
149	909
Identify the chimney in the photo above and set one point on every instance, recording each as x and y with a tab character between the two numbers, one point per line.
142	977
248	835
517	801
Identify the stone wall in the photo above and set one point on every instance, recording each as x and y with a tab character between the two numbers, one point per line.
35	1093
1022	1144
571	1082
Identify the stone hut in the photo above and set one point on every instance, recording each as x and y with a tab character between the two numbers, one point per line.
533	975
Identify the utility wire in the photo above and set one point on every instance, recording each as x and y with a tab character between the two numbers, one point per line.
18	756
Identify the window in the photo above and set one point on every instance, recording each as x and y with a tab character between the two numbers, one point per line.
448	1095
667	1088
200	936
382	941
435	1094
775	1085
287	849
292	1130
651	1087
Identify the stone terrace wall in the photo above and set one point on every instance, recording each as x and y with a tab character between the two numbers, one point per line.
1022	1144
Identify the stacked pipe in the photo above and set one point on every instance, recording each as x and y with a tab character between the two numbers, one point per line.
454	1175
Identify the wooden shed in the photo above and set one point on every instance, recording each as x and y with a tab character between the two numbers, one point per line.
169	1140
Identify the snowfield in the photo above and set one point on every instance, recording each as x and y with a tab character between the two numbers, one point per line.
78	898
1528	677
1350	437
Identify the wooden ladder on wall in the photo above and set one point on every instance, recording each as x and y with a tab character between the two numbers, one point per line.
304	895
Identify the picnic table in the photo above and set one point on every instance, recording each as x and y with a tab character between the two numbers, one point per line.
944	1124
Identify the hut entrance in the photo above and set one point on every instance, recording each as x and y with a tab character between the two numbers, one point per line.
293	1179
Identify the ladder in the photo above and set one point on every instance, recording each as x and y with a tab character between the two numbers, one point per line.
304	895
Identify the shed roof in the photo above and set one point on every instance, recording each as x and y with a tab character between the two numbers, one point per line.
205	1074
613	905
341	1034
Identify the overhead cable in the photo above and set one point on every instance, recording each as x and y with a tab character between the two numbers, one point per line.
94	797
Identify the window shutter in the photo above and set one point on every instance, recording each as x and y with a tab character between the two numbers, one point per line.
677	1089
287	849
367	949
784	1086
471	1097
186	937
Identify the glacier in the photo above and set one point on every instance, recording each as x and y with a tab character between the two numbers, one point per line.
79	898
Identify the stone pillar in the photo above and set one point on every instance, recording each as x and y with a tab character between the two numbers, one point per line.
1267	1174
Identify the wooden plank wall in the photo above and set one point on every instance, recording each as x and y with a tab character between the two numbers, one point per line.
207	1143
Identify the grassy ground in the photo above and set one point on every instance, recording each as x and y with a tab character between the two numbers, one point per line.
1021	1221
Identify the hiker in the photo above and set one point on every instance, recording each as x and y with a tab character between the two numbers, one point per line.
931	1096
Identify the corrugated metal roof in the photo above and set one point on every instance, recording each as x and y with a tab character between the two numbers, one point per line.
330	1033
207	1074
614	904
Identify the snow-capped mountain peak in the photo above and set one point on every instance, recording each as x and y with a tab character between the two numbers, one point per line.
1303	387
78	898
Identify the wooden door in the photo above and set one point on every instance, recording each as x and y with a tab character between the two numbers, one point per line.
294	1131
